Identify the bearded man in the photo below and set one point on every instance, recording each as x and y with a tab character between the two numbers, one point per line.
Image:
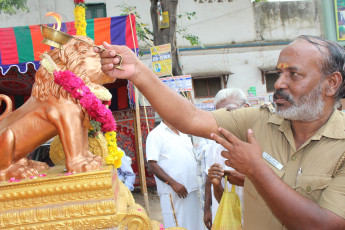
295	178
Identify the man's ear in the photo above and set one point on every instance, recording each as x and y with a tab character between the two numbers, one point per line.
333	82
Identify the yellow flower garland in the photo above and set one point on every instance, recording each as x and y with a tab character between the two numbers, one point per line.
114	153
80	23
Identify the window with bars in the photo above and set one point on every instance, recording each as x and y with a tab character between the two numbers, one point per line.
97	10
269	77
206	87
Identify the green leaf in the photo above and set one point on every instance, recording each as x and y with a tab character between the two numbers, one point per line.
145	34
10	6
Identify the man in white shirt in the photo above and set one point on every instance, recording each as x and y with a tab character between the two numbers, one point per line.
230	99
170	157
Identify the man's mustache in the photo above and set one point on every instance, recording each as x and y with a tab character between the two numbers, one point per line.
281	94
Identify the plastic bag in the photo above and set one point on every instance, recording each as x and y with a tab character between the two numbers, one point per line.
228	216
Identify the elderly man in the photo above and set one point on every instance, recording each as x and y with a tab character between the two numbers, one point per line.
294	175
230	99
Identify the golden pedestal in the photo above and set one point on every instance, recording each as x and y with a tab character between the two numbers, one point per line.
92	200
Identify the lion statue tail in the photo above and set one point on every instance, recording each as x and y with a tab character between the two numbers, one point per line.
8	102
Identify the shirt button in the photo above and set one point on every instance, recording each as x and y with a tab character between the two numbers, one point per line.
293	158
308	188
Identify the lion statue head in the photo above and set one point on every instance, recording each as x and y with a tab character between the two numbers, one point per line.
76	56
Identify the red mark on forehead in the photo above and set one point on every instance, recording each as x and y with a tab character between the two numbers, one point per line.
282	65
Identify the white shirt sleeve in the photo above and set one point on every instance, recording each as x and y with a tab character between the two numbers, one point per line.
153	146
209	152
219	159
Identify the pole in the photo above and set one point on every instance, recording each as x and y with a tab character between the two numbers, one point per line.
172	206
142	175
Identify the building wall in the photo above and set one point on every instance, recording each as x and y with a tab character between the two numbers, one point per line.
37	12
239	36
286	20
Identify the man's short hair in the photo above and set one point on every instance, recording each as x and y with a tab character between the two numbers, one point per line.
235	93
333	59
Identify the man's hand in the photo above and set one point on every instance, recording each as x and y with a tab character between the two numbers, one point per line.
208	218
235	177
179	189
215	174
109	59
241	156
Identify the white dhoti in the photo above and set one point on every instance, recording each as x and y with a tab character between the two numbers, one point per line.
188	211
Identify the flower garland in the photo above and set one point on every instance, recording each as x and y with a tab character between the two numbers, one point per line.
114	153
79	17
95	109
102	94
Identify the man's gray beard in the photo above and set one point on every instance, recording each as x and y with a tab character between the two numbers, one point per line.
307	108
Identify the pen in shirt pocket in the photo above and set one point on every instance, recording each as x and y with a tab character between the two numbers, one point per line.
298	173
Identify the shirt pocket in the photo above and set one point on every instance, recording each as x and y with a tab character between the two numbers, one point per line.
251	190
312	185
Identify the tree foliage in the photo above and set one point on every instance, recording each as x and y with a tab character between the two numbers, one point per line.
166	35
10	6
145	33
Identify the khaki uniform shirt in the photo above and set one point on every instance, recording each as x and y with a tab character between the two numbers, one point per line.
316	159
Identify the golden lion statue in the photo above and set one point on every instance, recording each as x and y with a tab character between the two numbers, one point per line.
51	111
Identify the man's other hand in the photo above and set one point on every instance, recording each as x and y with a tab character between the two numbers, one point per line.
241	156
235	177
215	174
179	189
208	218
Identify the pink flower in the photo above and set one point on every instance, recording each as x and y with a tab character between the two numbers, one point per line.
42	175
102	111
161	227
86	89
96	105
139	209
12	179
75	94
69	173
107	127
76	82
78	90
86	101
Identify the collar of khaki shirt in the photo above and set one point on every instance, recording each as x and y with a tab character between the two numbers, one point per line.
333	128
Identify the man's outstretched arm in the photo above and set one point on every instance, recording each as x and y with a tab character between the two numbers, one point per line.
171	106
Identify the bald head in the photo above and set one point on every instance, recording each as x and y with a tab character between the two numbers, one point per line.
332	58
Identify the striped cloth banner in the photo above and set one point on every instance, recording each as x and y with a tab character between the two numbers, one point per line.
22	45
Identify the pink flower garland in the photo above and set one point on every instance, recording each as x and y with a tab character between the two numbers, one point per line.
94	107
